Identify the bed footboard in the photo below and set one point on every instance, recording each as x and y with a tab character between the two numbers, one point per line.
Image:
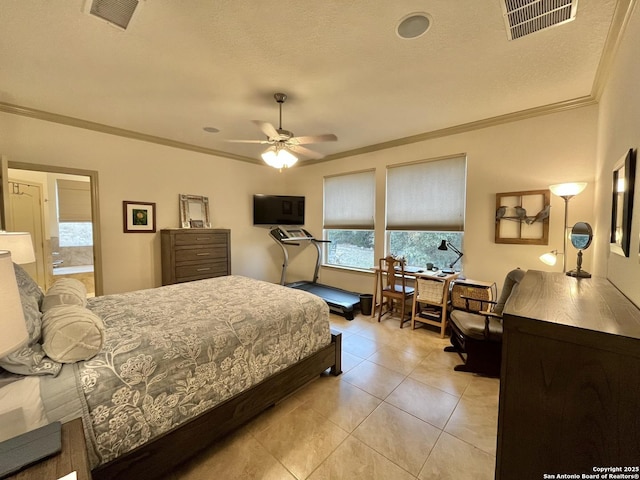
157	457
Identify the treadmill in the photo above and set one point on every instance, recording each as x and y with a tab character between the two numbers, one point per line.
340	301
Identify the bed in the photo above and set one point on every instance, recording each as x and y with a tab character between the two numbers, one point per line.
179	365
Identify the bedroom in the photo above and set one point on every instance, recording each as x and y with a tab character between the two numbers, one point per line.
574	144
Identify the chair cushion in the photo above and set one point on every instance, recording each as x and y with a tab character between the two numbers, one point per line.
472	325
398	289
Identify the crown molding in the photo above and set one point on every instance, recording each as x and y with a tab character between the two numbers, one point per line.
466	127
121	132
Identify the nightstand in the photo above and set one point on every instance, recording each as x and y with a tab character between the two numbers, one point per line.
73	457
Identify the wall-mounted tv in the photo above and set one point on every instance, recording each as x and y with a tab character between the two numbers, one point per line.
278	210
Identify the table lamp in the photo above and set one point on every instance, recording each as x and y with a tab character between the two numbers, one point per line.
20	246
18	452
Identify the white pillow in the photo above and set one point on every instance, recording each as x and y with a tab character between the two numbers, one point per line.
66	291
71	333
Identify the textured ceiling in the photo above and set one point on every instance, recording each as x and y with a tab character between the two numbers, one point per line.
185	65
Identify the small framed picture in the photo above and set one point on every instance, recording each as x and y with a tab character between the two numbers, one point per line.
139	217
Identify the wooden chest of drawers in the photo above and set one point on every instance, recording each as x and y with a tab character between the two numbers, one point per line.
194	254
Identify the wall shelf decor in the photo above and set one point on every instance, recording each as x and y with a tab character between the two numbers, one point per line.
523	217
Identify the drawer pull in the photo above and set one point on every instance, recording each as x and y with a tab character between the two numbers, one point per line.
203	269
203	254
202	238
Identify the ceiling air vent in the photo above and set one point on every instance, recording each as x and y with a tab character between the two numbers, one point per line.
523	17
116	12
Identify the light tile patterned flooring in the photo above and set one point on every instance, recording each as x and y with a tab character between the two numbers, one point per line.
399	411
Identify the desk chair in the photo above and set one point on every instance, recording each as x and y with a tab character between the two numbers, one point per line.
429	303
476	324
393	286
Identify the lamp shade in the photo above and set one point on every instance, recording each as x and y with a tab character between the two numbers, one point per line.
549	258
443	245
12	324
570	189
279	158
20	246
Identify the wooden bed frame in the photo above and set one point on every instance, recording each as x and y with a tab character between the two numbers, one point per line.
163	453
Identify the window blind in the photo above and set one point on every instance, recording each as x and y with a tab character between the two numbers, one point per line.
349	201
74	201
427	195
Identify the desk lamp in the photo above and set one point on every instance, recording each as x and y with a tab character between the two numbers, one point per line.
446	245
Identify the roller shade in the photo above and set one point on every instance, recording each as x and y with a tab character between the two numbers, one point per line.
427	196
74	201
349	201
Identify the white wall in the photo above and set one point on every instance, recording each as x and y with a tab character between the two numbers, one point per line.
618	131
140	171
525	155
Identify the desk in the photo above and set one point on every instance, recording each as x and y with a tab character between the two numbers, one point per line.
442	322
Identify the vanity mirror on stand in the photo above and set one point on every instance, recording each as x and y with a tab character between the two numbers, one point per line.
581	236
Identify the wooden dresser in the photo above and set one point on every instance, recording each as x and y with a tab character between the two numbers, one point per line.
570	384
193	254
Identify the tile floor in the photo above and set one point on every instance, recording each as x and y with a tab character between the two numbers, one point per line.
398	411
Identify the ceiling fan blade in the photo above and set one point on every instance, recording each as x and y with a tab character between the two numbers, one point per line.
248	141
305	151
268	129
327	137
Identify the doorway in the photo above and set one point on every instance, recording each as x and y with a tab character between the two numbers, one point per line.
70	243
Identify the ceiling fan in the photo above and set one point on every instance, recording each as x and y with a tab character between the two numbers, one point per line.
283	144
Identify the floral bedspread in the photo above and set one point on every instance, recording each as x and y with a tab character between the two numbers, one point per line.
173	352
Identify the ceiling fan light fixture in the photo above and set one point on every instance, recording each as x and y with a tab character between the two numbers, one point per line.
279	158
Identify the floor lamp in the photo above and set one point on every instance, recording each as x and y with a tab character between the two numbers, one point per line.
567	191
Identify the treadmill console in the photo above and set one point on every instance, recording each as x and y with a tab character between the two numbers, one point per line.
290	234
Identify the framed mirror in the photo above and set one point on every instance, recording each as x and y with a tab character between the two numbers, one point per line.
624	174
581	236
194	211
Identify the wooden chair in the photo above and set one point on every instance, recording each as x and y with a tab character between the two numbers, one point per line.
429	303
476	324
393	286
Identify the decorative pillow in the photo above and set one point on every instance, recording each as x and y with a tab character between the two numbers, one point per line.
30	359
71	333
27	284
66	291
31	296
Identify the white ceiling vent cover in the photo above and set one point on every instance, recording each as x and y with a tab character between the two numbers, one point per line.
523	17
116	12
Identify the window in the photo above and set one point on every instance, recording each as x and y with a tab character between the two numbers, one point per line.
425	205
74	213
349	206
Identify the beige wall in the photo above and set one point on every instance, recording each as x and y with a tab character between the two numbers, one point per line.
618	131
525	155
141	171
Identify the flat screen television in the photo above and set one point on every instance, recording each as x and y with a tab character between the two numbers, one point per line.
278	210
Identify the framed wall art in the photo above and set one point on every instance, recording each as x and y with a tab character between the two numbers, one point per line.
139	217
624	175
523	217
194	211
